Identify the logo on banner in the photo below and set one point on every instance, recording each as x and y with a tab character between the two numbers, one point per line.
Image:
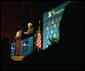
25	46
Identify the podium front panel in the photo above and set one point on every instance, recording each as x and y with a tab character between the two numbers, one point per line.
26	46
13	47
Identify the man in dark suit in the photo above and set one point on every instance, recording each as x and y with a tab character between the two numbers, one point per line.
30	29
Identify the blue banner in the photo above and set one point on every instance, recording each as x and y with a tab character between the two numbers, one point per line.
51	22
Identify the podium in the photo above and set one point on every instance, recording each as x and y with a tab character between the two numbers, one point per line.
16	54
18	42
21	47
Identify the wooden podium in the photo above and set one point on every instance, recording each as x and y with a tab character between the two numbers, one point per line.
18	42
17	56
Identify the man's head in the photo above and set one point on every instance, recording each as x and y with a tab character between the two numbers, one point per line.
29	25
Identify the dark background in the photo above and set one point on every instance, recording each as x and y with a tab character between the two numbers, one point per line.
68	54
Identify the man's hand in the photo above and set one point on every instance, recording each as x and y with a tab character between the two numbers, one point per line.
25	32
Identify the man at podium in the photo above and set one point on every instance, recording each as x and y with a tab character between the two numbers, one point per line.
30	29
21	35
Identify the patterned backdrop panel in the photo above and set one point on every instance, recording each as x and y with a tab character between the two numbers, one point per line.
51	22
